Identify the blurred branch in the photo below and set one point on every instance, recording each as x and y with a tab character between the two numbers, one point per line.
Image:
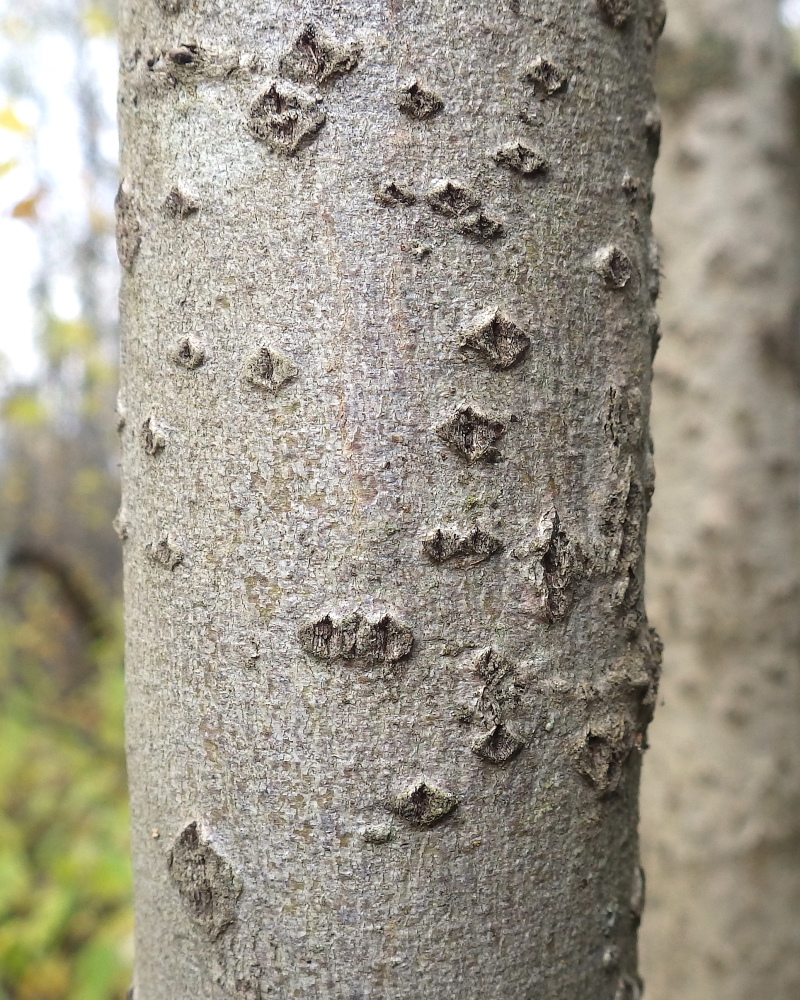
74	590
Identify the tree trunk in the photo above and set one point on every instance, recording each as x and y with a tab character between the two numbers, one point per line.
388	322
721	806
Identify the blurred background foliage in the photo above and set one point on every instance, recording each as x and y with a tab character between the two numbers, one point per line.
65	882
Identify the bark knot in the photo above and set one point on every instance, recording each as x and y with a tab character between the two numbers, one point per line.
638	893
479	224
267	369
207	883
390	194
461	549
188	353
121	525
522	159
503	686
154	436
357	638
658	20
285	116
552	564
618	710
417	102
652	129
318	56
628	988
424	804
616	13
547	77
493	335
614	267
602	751
452	199
498	746
377	833
128	230
472	434
165	552
457	202
178	205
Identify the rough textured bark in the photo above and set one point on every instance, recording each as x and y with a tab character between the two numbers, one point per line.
388	321
721	794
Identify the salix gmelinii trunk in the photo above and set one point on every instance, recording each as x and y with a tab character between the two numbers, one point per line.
721	807
388	322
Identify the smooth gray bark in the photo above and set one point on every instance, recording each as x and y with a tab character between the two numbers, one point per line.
388	322
721	795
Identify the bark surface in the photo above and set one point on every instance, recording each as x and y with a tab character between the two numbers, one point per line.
388	322
721	792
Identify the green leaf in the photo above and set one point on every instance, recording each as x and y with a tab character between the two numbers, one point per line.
98	22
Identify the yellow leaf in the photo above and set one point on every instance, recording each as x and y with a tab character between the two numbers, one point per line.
97	22
27	208
24	409
16	29
10	121
63	337
7	166
100	221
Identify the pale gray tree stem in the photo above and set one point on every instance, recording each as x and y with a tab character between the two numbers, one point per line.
721	805
388	326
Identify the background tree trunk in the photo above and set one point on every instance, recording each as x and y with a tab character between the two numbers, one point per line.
387	326
721	799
